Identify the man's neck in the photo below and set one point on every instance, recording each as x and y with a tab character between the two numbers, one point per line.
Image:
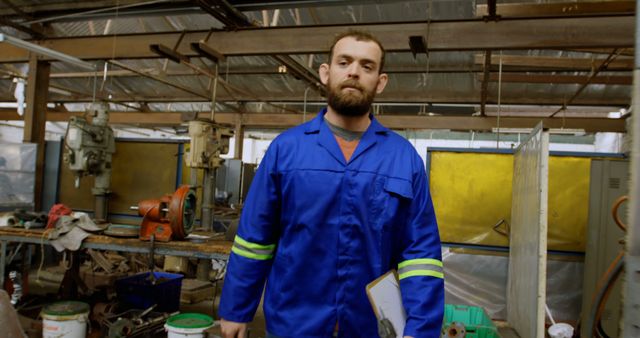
352	123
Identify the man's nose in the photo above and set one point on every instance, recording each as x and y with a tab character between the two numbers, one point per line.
354	70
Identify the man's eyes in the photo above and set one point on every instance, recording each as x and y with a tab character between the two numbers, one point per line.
366	66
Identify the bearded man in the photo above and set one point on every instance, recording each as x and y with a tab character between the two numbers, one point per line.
336	202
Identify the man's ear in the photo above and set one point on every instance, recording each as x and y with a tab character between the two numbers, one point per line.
324	73
382	82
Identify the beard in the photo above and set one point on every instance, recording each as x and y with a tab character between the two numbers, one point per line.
350	103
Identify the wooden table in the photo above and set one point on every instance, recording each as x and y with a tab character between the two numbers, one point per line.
215	247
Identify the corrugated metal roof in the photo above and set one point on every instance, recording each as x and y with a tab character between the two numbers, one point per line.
433	83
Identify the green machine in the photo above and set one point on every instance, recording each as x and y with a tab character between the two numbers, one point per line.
463	321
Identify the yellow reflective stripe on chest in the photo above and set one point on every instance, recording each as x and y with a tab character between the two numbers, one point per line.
420	267
252	250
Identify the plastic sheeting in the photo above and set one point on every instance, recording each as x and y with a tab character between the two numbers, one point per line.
481	280
17	175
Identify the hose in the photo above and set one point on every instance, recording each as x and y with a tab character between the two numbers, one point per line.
608	279
614	212
601	331
607	282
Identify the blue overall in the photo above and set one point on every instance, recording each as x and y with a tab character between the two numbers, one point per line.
318	229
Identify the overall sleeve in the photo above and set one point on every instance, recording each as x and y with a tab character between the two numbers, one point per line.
254	245
420	267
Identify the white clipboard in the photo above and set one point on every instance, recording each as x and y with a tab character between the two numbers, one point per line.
386	300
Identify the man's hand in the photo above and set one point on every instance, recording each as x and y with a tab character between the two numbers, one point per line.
233	329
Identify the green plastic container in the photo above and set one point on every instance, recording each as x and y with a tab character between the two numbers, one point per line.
475	320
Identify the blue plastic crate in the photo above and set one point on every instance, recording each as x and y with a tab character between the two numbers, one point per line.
137	291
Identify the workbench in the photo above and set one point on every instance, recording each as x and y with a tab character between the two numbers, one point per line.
212	248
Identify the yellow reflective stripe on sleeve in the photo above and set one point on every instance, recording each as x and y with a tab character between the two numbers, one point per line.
251	255
252	250
420	261
250	245
421	267
421	273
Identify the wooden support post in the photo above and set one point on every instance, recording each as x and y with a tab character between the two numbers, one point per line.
239	136
485	80
35	117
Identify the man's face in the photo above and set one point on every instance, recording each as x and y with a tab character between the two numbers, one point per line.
353	79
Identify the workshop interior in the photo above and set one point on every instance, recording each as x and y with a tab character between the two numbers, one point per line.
131	131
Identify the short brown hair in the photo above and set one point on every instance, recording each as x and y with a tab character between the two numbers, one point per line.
359	36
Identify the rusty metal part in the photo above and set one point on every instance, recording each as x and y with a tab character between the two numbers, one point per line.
134	323
102	311
122	230
170	217
455	330
121	328
182	211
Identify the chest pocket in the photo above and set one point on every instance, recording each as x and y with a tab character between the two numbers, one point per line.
389	195
401	188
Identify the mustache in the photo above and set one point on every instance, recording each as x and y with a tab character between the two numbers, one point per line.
351	84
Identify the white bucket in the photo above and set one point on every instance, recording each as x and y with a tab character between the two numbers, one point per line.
67	323
188	325
560	330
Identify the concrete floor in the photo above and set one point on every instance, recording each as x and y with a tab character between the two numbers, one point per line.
256	327
210	307
507	332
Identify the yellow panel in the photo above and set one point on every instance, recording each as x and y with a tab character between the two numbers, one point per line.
568	202
472	192
141	170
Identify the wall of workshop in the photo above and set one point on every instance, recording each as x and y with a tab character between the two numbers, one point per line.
471	193
256	142
141	170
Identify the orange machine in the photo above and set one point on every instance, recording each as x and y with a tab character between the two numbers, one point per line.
170	217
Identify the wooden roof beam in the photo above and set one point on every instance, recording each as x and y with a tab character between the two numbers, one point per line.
606	51
519	10
272	70
35	33
589	32
280	121
560	79
550	62
417	97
